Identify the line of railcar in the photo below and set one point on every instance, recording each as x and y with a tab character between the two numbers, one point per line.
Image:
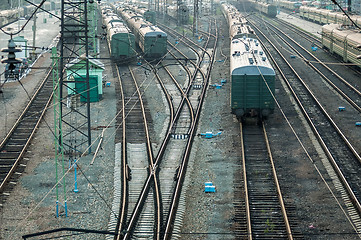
179	13
150	16
325	16
344	41
120	39
238	24
252	75
151	40
12	15
266	8
290	5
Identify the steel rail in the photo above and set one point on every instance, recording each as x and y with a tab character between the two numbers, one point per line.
153	171
355	105
252	196
123	209
151	159
146	187
309	120
183	167
20	119
300	31
246	198
279	192
338	130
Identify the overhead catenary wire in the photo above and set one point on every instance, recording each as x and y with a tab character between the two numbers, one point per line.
22	28
31	211
304	148
306	152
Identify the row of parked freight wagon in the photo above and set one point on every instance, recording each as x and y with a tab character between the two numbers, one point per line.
252	75
124	33
11	15
339	35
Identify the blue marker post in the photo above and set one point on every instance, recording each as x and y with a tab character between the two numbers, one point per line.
66	209
57	209
75	180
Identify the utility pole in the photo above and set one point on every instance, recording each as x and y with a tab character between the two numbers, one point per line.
73	133
33	57
195	18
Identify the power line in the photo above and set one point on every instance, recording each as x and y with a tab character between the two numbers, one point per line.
22	28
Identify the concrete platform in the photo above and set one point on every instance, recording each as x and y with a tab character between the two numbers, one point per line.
295	19
46	30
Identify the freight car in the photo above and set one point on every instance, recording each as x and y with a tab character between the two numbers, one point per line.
324	16
238	25
252	80
343	41
180	14
293	6
9	16
150	39
268	9
120	40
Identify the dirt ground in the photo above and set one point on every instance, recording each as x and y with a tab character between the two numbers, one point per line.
31	205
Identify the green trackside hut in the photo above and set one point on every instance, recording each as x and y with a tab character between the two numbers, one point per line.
76	71
21	42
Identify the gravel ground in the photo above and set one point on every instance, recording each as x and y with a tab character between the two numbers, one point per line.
316	212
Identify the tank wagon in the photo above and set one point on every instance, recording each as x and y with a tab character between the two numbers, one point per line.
238	25
325	16
121	41
343	41
150	39
252	79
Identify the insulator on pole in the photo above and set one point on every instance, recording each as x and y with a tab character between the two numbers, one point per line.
11	59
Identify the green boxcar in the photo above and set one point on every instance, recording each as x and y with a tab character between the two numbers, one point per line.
155	44
272	10
252	80
150	16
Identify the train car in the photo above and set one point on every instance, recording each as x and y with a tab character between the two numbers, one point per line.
9	16
289	5
252	80
238	25
150	39
343	41
268	9
180	14
120	40
150	16
324	16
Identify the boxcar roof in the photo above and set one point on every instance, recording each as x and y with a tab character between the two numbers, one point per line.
248	57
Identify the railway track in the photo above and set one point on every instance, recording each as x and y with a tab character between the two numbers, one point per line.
137	159
142	207
170	222
342	156
266	214
315	41
15	144
167	184
331	77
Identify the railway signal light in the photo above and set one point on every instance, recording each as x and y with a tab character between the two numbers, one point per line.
11	50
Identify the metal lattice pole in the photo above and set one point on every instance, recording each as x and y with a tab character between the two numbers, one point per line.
74	77
58	140
71	82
